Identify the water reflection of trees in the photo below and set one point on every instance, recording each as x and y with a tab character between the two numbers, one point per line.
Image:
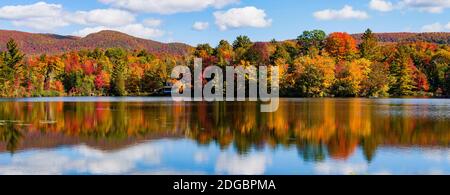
10	135
317	128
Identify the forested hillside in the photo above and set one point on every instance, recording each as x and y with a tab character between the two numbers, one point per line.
313	65
38	44
433	37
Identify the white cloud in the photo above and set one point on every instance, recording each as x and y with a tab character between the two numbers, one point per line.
137	30
103	17
242	17
41	23
435	27
381	5
234	164
46	17
168	6
40	9
345	13
151	22
200	26
39	16
431	6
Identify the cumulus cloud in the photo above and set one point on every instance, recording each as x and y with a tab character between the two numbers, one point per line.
345	13
46	17
104	17
381	5
436	27
200	26
39	9
137	30
234	164
151	22
242	17
430	6
168	6
39	16
41	23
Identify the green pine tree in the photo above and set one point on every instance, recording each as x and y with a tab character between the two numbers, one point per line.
118	79
369	45
402	74
10	65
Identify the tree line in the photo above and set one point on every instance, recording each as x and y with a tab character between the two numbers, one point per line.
313	65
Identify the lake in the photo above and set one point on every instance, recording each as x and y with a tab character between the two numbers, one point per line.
85	135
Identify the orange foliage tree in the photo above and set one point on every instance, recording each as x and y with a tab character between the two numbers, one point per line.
340	45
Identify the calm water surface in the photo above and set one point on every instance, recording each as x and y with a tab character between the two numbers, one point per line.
158	136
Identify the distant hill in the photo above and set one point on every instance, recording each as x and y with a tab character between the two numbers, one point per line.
434	37
33	43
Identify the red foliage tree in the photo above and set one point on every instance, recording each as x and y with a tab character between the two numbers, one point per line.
421	81
88	67
72	62
102	80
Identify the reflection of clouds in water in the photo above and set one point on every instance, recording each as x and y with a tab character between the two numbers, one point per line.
415	162
341	168
437	155
432	171
425	112
200	157
185	157
410	102
430	108
433	109
435	172
82	159
43	163
169	172
382	173
234	164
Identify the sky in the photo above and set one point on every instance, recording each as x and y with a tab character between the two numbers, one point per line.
209	21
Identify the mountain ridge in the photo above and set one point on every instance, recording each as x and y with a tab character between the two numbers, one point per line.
393	37
40	43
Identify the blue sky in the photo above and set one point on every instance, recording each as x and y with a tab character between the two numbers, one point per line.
261	20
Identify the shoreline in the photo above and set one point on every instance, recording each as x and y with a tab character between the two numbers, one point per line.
49	98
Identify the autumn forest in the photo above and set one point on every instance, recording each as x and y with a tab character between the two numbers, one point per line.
313	65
